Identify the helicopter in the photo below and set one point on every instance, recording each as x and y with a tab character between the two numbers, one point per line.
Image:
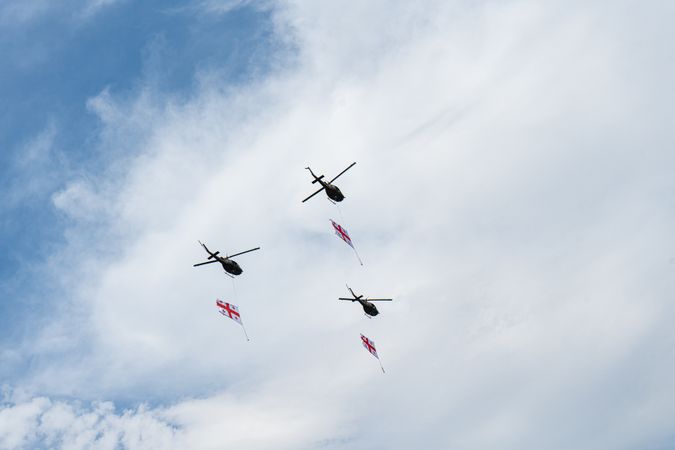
230	266
332	191
368	307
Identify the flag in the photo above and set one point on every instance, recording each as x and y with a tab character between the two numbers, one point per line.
369	345
342	233
229	310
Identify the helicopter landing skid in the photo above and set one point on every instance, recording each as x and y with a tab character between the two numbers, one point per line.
367	316
231	276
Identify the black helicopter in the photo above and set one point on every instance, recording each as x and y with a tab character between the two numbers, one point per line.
368	307
230	266
332	191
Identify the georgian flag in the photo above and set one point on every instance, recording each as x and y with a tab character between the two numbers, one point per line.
369	345
342	233
229	310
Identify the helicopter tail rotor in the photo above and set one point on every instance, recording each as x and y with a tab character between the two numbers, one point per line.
356	297
314	176
211	255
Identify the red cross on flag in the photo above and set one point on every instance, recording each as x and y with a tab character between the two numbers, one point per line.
231	311
342	233
369	344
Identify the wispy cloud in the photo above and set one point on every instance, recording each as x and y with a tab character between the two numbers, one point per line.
92	7
31	175
224	6
18	13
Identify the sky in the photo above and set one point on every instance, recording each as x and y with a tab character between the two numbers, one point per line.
512	193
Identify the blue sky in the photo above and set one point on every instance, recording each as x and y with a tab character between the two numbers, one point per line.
52	64
513	195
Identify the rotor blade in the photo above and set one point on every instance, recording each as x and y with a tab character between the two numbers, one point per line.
379	299
350	299
241	253
336	176
207	262
313	195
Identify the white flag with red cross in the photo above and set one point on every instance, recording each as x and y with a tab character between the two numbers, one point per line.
369	345
341	232
231	311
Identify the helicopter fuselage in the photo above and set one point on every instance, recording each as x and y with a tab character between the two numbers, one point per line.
369	308
332	191
230	266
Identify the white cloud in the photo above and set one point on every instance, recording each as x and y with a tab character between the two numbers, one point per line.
511	193
41	422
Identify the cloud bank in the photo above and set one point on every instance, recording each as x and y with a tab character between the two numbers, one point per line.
512	194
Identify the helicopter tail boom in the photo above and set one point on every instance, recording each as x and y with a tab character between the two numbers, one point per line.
211	255
350	290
